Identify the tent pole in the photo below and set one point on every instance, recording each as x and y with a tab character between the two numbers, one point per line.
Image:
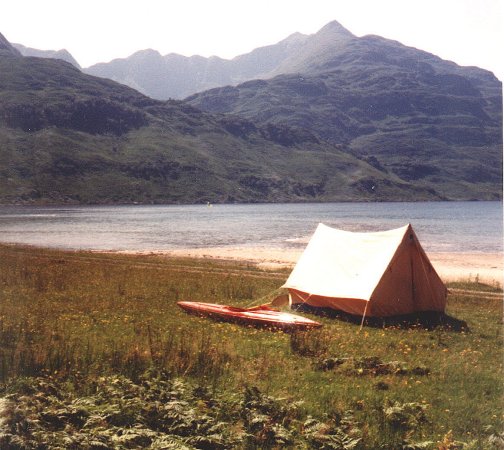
363	316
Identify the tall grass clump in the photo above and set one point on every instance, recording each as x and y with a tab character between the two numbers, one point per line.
94	349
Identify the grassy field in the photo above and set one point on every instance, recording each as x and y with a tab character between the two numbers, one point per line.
94	353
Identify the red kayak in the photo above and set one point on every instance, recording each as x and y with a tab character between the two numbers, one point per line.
258	316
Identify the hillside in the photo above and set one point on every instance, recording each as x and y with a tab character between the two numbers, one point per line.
6	49
407	112
67	137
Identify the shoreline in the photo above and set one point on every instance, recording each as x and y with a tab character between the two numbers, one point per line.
451	266
484	267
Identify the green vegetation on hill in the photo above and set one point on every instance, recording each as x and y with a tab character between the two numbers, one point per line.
94	353
411	114
347	119
67	137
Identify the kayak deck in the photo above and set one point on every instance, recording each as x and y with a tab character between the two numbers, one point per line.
258	316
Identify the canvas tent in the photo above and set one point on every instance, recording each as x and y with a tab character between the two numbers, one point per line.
370	274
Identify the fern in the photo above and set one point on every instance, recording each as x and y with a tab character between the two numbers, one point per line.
405	415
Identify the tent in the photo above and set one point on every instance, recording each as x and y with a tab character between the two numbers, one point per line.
370	274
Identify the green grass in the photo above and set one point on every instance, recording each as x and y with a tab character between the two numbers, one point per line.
90	324
475	285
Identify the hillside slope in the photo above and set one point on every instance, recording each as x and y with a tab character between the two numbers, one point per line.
408	112
67	137
6	48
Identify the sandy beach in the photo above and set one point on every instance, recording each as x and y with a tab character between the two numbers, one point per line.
484	267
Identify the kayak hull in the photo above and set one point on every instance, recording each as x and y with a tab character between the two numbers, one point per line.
261	316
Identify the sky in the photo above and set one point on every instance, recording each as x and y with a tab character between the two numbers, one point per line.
468	32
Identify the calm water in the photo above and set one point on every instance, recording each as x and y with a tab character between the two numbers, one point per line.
441	227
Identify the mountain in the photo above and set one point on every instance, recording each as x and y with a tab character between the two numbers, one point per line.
6	48
55	54
359	119
68	137
176	76
316	50
407	112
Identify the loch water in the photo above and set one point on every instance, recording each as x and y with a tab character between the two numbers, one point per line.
440	226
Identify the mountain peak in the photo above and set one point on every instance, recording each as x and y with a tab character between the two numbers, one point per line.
294	37
146	53
6	47
335	29
316	49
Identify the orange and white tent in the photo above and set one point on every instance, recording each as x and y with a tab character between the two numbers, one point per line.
370	274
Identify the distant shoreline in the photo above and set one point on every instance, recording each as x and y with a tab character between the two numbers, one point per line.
451	266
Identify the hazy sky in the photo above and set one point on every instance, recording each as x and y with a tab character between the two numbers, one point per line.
469	32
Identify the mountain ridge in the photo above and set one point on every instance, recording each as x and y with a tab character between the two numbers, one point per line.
180	76
62	54
409	112
177	76
71	138
366	119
